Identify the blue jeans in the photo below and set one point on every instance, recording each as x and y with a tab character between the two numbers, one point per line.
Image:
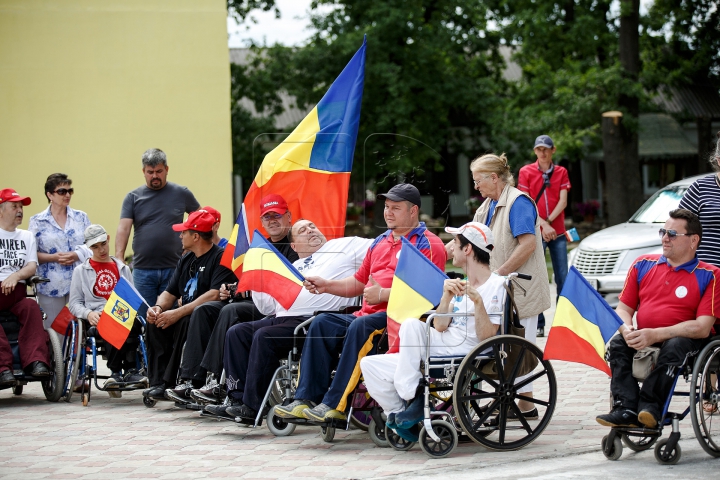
558	256
151	283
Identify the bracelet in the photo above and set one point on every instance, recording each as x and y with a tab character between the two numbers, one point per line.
380	295
161	309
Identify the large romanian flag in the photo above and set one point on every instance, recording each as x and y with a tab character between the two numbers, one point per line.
118	317
416	288
583	324
237	245
267	270
311	168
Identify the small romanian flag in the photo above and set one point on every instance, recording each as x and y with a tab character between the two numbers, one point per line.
416	288
238	245
267	270
118	317
583	324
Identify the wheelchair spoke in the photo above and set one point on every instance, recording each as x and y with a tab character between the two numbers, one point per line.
499	362
530	379
482	377
513	374
483	418
521	418
532	400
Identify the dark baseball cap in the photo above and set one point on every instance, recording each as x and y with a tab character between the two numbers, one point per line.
544	141
403	191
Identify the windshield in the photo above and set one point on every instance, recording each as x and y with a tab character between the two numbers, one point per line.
657	208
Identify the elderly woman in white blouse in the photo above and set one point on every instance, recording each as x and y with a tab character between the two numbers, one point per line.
59	232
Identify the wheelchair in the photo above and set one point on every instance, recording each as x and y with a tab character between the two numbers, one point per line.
82	340
53	385
471	397
701	371
282	391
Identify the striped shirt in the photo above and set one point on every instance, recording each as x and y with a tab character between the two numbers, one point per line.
703	199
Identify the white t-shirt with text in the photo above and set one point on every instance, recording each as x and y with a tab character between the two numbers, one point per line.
17	249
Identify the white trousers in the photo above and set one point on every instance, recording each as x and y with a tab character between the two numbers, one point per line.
51	306
530	325
392	379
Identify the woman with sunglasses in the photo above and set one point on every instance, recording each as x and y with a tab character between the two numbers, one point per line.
59	232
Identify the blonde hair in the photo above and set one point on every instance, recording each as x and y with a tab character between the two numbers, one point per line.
497	164
715	157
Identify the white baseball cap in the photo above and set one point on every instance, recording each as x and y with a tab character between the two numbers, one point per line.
94	234
477	233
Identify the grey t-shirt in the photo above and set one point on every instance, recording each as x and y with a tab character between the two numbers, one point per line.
153	212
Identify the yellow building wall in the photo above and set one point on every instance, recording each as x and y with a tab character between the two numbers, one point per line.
86	86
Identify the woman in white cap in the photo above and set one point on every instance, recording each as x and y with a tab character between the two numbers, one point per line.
392	379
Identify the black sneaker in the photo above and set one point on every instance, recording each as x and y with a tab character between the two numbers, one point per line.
619	417
181	393
246	412
220	411
7	378
133	376
541	331
529	415
156	393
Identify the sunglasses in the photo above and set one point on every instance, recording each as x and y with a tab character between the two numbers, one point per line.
64	191
271	216
672	234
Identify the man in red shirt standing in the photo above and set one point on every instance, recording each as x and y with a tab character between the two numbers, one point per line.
548	185
674	295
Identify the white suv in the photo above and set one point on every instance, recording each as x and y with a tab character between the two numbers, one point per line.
605	257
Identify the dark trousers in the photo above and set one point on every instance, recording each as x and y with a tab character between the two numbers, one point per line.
123	359
656	387
32	337
164	353
237	312
202	323
254	350
330	334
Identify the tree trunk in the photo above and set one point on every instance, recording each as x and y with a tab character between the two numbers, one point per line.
622	160
705	146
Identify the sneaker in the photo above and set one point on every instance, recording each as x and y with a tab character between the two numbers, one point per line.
246	412
111	385
323	413
133	376
412	415
156	393
619	417
212	392
220	411
390	422
647	419
408	434
294	410
529	415
541	331
181	393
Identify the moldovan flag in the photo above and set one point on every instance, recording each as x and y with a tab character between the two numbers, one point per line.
416	288
311	168
118	317
237	246
267	270
583	324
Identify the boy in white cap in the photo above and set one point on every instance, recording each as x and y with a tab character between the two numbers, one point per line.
93	282
392	380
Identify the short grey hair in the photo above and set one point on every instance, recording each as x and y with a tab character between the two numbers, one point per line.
154	157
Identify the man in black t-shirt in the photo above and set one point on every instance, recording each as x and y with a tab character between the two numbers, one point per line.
197	280
206	332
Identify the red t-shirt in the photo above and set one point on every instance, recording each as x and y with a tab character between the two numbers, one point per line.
531	181
106	277
382	258
664	295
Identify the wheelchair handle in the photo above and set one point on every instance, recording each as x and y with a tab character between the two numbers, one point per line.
521	276
35	279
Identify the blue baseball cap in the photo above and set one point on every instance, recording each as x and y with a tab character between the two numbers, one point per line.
544	141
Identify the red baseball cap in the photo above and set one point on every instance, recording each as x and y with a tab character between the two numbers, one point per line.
212	212
199	220
273	203
10	195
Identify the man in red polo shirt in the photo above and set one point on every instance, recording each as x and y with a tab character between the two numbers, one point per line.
675	296
548	185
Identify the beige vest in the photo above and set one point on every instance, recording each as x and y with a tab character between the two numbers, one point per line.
537	298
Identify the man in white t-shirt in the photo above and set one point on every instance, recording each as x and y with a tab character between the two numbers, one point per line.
18	262
393	379
253	349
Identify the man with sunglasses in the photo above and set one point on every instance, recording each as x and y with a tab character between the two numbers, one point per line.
548	185
675	297
197	280
206	331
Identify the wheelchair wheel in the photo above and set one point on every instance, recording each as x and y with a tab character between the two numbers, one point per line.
328	434
705	398
149	402
53	386
615	450
448	439
17	390
377	434
638	444
665	456
278	426
73	345
499	424
397	442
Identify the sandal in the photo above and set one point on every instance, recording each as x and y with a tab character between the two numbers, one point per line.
709	407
